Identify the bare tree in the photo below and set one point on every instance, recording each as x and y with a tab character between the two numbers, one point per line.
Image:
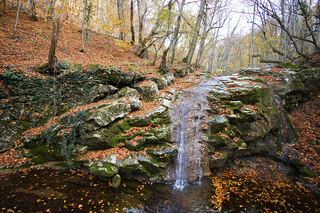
297	40
54	41
15	25
141	16
83	24
195	36
131	23
121	19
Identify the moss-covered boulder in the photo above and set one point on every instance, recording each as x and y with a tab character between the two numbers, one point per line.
247	114
100	139
217	123
163	152
116	181
218	159
105	113
253	131
103	169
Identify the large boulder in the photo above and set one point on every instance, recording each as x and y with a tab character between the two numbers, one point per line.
148	90
105	113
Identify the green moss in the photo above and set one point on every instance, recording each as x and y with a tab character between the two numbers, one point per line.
114	141
45	153
308	172
43	68
288	65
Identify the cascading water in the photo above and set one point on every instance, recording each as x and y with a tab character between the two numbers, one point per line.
187	114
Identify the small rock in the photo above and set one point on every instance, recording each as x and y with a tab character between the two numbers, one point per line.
116	181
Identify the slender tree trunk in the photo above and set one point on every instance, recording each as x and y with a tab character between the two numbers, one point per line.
203	38
15	25
33	11
83	24
131	23
140	20
54	41
193	44
213	67
121	19
98	8
3	7
252	33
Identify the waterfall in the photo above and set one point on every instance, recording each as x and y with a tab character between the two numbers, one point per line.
187	114
180	168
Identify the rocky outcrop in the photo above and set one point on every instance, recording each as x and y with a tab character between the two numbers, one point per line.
293	86
243	119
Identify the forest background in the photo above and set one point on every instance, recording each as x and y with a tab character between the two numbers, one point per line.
216	35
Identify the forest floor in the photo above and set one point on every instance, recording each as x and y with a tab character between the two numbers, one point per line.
30	47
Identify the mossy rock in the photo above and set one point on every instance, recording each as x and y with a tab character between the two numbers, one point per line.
216	141
253	131
102	169
247	115
45	153
116	181
233	119
217	123
128	166
235	106
308	172
163	152
218	159
134	144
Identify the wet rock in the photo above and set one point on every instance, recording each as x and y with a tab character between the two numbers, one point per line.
116	181
218	159
103	169
163	152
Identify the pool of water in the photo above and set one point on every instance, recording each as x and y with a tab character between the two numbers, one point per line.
56	190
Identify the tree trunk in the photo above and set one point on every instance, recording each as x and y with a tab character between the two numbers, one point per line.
121	19
15	25
3	8
131	23
252	32
83	24
193	44
54	40
33	11
140	20
176	33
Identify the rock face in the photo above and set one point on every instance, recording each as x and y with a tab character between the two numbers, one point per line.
243	119
148	90
295	86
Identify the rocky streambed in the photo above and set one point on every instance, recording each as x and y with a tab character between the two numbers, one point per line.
119	125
